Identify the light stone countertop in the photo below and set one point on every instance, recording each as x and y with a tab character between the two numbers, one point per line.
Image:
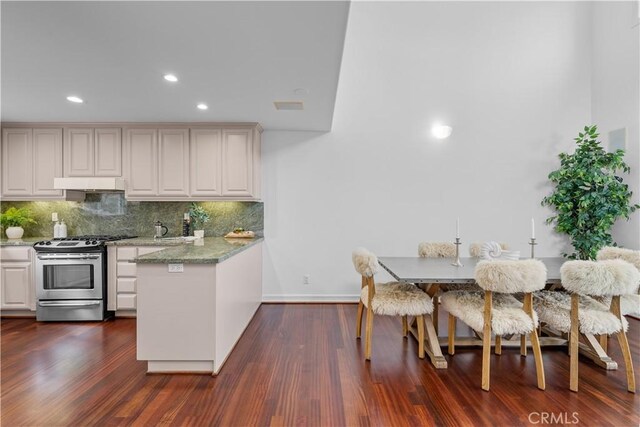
149	241
25	241
210	250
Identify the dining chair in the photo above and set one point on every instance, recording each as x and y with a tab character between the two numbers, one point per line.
388	299
629	304
576	312
495	310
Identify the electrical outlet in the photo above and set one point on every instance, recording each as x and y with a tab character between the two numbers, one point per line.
176	268
306	279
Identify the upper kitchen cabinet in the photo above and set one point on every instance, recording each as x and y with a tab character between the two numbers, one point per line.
141	162
173	162
31	159
92	152
213	162
237	155
206	163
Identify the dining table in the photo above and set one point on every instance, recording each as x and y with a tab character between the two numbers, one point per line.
434	274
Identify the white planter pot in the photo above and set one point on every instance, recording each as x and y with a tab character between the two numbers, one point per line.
198	233
14	232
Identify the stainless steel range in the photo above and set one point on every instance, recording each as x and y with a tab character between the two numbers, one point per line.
71	278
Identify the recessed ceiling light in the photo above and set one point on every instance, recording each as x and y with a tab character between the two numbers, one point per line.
441	131
75	99
170	78
202	106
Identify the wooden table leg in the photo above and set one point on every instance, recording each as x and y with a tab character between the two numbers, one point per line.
432	343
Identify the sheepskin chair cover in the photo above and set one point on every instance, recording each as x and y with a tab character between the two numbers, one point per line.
398	299
554	309
365	262
610	252
507	314
511	276
476	247
608	277
437	250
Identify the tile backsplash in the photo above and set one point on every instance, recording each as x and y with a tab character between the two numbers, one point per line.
110	213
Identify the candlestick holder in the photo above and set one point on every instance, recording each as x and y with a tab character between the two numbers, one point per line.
457	262
532	243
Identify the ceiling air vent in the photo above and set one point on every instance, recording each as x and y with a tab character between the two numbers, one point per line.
288	105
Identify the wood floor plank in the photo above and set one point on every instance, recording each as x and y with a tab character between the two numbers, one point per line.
295	365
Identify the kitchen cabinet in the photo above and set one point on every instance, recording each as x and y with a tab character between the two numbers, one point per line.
198	163
206	162
31	159
122	277
92	152
173	162
237	153
17	290
141	162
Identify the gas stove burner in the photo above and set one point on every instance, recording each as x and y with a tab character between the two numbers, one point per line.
92	237
77	243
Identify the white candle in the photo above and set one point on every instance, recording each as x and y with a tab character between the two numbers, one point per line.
533	229
457	228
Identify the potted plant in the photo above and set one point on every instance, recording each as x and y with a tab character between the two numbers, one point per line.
589	197
13	219
199	217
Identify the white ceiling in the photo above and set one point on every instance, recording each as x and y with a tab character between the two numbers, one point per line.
237	57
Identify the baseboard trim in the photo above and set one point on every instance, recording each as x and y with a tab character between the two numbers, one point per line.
310	298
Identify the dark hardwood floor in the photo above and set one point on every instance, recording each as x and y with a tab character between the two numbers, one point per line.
295	365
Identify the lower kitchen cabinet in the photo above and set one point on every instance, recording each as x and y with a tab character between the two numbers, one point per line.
122	277
17	284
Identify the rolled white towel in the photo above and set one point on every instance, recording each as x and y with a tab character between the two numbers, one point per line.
491	250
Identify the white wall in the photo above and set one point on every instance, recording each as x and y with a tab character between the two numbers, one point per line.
615	91
513	79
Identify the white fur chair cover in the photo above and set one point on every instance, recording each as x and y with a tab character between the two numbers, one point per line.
511	276
554	309
437	250
365	262
398	299
507	314
600	278
610	252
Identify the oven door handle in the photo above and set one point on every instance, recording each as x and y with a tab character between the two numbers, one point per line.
67	256
68	303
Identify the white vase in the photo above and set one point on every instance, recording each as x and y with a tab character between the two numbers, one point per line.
198	233
14	232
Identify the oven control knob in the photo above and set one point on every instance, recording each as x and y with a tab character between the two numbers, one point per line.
95	242
88	242
48	243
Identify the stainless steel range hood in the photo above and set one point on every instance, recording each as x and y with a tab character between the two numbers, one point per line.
89	184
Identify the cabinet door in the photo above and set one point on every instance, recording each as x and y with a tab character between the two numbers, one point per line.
141	159
17	166
237	171
79	152
206	162
173	162
108	158
15	286
47	161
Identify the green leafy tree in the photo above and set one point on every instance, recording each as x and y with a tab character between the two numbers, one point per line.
589	197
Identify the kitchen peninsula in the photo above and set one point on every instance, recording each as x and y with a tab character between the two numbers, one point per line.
195	301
